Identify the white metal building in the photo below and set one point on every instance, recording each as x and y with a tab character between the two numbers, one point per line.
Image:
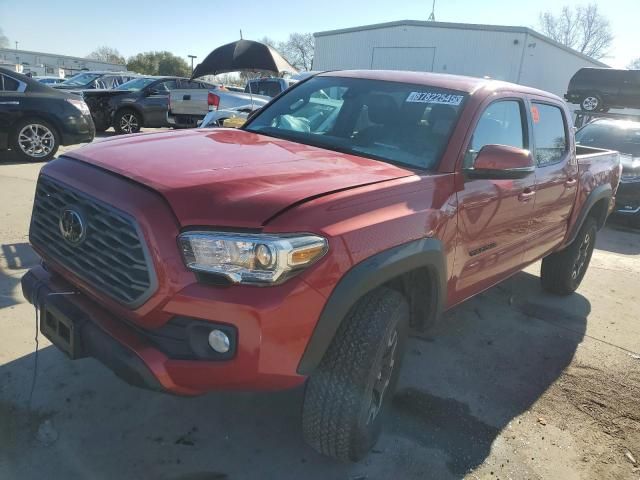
51	64
514	54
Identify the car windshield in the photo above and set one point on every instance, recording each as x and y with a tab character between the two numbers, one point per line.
136	84
394	122
622	136
81	79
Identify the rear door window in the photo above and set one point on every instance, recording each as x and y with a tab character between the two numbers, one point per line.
549	134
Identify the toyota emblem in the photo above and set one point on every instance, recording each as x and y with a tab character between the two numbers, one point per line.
72	226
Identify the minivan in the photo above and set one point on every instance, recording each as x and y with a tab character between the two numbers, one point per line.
599	89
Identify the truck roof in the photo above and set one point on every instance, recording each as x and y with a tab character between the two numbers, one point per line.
441	80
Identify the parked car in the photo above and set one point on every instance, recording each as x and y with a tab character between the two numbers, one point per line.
49	80
141	102
599	89
302	247
91	80
269	86
623	136
217	118
36	119
188	109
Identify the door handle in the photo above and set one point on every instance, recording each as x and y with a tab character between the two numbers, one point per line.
526	195
571	182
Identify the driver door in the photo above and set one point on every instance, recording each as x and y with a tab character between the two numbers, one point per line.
494	214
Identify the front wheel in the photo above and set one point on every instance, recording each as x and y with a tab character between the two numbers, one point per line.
563	271
127	121
35	140
346	397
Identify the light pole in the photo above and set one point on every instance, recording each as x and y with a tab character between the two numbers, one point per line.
16	45
192	57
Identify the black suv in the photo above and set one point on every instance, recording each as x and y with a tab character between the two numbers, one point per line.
141	102
36	119
599	89
624	136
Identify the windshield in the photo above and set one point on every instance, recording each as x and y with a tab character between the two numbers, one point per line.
136	84
81	79
394	122
622	136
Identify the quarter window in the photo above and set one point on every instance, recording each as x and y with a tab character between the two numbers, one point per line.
500	124
8	84
549	134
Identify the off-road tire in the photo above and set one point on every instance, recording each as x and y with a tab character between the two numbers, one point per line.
118	121
53	145
337	414
558	273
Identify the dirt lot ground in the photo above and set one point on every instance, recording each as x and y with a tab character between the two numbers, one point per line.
514	384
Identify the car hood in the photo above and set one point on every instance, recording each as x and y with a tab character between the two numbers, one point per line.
225	177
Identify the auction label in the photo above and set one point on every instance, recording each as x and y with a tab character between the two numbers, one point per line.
433	97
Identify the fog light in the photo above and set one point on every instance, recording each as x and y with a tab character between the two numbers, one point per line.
219	341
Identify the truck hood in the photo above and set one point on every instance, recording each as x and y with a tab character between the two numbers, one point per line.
224	177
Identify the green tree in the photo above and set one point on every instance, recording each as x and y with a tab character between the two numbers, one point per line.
635	64
158	63
107	54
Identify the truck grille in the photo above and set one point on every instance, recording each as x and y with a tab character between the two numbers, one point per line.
110	255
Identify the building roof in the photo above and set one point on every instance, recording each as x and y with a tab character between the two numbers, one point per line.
460	83
30	52
461	26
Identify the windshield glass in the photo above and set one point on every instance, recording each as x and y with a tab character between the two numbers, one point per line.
394	122
622	136
136	84
81	79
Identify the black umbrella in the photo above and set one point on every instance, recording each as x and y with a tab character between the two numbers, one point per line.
242	55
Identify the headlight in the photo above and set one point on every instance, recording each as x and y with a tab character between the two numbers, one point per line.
255	259
80	105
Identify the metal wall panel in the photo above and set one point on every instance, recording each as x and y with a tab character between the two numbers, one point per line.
512	56
550	68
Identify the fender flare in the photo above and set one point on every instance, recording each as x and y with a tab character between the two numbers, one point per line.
599	193
368	275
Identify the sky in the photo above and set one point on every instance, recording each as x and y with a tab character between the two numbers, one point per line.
77	27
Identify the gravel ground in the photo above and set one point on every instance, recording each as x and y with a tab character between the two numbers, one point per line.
513	384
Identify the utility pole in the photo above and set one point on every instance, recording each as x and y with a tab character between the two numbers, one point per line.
16	45
192	57
432	17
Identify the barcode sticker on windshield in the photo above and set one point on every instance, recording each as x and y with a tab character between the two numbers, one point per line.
433	97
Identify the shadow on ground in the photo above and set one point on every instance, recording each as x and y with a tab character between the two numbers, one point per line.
619	236
461	384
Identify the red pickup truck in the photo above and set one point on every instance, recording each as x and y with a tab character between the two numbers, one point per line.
302	247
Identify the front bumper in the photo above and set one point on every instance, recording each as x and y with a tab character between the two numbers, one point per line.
78	129
628	199
138	357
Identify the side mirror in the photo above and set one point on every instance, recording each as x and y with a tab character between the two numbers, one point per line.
501	161
253	114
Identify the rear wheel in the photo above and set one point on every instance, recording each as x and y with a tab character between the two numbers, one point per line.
563	271
346	397
592	103
35	140
127	121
